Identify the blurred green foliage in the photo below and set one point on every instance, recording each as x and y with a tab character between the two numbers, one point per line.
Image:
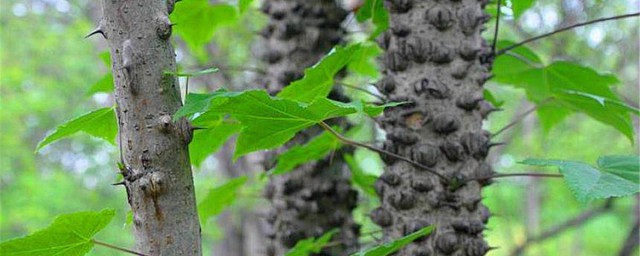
47	68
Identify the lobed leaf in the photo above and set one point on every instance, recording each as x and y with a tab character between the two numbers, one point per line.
317	148
318	79
68	234
100	123
588	183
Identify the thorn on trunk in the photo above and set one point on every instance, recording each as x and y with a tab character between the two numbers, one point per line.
496	144
98	30
118	183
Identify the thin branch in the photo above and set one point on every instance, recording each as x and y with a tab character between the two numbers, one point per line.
495	34
518	174
515	121
511	47
348	141
555	230
523	59
527	174
381	98
521	117
117	248
243	69
631	243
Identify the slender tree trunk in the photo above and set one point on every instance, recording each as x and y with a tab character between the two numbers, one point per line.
315	197
435	58
154	148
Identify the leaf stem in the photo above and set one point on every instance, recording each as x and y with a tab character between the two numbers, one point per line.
117	248
348	141
513	46
521	117
381	98
495	34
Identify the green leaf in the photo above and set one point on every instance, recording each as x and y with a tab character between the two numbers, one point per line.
99	123
318	79
395	245
195	73
311	245
492	99
375	110
269	122
573	88
587	182
359	178
243	5
364	61
197	20
105	84
209	140
69	234
197	103
374	10
625	166
219	198
520	6
316	149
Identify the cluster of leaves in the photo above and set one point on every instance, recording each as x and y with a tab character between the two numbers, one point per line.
264	122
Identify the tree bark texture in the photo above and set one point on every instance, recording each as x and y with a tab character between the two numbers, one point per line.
436	59
315	197
157	173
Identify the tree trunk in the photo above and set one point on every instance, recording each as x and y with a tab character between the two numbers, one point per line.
435	58
154	149
315	197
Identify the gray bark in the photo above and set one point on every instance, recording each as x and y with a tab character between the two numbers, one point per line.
315	197
436	58
154	149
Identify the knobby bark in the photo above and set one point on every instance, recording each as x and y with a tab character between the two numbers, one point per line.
157	173
436	59
315	197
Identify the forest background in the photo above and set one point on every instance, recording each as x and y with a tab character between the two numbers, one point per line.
48	73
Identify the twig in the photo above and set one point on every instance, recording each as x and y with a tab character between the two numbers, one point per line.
117	248
513	46
348	141
495	34
553	231
523	59
528	174
628	248
521	117
381	98
241	69
517	174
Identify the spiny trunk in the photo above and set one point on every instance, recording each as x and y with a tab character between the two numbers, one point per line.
157	171
435	58
316	197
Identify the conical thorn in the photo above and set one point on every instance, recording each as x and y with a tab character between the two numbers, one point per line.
118	183
98	30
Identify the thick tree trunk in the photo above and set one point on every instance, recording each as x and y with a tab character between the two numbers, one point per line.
315	197
435	58
154	148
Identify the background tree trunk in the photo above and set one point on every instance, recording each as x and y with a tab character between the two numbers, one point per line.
158	175
435	58
315	197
